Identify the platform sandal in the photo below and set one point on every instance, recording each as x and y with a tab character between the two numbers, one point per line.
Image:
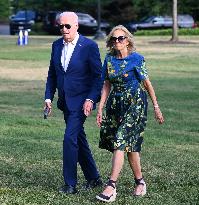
137	183
111	198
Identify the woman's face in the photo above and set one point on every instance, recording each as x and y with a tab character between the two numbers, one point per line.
119	40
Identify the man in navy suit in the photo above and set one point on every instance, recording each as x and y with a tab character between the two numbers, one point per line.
75	71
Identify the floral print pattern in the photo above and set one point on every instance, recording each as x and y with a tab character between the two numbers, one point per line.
125	117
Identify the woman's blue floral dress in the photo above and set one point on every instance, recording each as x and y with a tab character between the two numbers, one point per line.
126	108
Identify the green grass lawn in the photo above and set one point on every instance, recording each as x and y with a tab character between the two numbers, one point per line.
31	147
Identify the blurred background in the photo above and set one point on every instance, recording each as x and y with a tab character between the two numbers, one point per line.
39	16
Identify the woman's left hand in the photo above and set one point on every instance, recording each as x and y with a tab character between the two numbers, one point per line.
158	115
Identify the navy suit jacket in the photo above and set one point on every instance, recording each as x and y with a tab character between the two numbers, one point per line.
81	81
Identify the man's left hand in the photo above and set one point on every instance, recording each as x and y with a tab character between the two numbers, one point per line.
87	107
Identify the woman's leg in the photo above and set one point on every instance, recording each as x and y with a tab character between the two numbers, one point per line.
117	164
134	161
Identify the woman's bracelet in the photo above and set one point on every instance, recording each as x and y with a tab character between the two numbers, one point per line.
156	106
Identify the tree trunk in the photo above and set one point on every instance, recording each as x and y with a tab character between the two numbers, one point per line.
175	22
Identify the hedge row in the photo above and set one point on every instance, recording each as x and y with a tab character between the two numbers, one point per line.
167	32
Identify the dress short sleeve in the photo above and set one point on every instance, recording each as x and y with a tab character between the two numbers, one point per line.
141	71
105	70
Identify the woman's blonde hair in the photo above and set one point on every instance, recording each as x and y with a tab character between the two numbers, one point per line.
128	35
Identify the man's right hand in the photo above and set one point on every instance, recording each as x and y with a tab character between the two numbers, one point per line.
49	105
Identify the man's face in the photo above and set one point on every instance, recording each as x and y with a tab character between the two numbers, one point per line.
68	28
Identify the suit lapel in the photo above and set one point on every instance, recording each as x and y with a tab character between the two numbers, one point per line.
76	51
59	53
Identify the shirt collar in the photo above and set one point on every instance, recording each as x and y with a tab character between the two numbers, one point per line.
74	42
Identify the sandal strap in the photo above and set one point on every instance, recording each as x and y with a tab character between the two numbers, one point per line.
139	181
105	197
111	183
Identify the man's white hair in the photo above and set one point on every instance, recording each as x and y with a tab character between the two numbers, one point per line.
69	14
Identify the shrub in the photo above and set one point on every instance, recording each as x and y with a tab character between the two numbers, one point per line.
167	32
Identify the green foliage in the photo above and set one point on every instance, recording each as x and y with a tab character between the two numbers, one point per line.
184	31
166	32
4	9
121	11
37	29
189	7
31	148
114	11
145	8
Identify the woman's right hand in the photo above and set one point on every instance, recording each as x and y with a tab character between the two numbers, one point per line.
99	118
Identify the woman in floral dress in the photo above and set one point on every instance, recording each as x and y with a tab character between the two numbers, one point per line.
124	92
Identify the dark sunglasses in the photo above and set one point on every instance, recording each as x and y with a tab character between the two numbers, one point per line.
119	38
61	26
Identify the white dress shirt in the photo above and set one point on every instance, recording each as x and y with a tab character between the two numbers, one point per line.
67	51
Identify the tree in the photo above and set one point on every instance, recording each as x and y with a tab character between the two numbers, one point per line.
146	8
118	12
4	9
175	22
189	7
113	11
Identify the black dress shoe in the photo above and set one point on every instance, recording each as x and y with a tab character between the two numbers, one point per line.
68	189
93	183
